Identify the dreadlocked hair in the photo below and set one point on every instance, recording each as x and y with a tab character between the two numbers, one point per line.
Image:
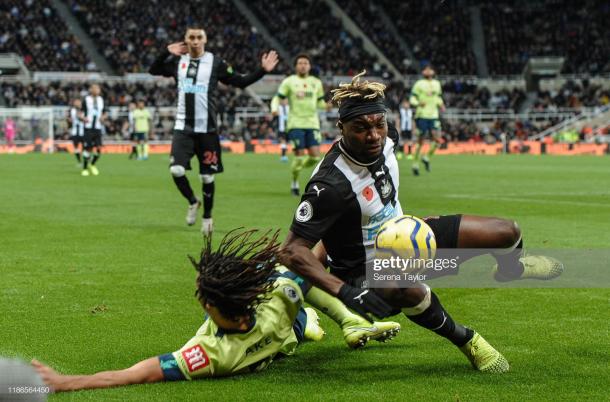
358	89
236	277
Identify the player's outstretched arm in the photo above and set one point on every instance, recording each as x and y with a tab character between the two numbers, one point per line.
228	76
296	254
146	371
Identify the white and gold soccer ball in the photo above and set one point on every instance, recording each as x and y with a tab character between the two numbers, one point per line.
405	236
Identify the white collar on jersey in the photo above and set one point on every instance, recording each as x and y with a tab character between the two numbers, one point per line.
351	158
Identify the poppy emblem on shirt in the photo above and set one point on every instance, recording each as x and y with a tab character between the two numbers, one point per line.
367	193
183	66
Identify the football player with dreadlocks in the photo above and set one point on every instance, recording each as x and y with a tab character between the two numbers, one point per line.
254	314
353	192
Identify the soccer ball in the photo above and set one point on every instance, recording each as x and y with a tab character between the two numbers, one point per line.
406	237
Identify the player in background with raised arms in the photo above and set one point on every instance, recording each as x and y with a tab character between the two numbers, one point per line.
197	73
353	193
77	132
305	95
426	96
142	121
94	116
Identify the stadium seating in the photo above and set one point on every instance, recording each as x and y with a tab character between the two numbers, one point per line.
131	34
514	32
437	32
573	95
32	29
114	93
310	27
364	13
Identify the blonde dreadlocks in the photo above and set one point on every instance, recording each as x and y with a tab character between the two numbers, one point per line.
358	89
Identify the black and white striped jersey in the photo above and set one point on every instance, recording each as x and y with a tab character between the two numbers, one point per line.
406	119
196	80
131	122
78	127
344	205
282	117
93	108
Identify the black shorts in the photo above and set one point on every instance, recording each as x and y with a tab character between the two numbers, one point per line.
139	137
206	146
76	139
406	135
283	135
92	138
445	229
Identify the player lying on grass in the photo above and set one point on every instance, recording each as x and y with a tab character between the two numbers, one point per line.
254	313
353	191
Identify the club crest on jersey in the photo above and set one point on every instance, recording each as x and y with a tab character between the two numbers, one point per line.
304	212
386	189
291	293
195	358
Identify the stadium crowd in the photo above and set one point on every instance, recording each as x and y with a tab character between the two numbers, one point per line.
310	27
366	15
438	33
516	31
119	93
573	95
32	29
131	34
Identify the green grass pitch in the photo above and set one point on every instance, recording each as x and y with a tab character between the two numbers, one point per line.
94	276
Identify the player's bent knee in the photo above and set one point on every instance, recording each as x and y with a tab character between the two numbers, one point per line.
509	233
177	170
206	178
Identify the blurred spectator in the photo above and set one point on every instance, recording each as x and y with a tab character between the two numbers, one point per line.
32	29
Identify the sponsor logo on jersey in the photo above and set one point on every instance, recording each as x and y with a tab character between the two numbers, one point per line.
195	358
304	212
291	293
375	221
318	190
187	85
